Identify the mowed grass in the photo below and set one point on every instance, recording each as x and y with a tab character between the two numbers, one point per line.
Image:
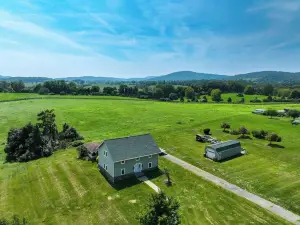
64	190
270	172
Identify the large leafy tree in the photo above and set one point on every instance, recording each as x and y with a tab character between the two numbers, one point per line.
249	90
161	210
46	121
17	86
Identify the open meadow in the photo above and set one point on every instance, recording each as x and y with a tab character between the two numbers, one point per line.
62	189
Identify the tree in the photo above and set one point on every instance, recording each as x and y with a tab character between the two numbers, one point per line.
47	124
158	93
161	210
95	89
69	134
229	100
273	138
225	126
249	90
216	95
168	181
271	113
284	92
189	93
295	94
243	131
268	89
43	91
181	98
173	96
294	113
17	86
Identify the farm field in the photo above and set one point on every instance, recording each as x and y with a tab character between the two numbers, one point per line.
272	173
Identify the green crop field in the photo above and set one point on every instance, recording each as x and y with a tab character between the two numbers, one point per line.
62	189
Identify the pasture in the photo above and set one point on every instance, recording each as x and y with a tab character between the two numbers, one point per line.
63	187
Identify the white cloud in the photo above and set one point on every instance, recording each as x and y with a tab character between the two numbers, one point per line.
14	23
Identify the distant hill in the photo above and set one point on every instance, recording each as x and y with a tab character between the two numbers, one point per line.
269	76
262	77
189	75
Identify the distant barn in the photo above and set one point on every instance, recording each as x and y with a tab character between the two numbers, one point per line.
223	150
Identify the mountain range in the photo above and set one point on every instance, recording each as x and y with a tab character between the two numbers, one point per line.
261	76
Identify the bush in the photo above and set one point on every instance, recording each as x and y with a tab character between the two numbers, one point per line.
273	138
256	100
164	99
76	143
235	132
173	96
206	131
44	91
69	134
82	152
240	95
271	113
259	134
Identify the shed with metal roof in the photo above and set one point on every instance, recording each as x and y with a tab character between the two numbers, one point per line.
223	150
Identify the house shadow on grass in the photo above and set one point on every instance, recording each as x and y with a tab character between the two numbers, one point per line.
132	181
230	158
154	173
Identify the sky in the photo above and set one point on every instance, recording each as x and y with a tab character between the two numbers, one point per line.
139	38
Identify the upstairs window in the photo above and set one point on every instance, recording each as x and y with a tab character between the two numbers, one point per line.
150	165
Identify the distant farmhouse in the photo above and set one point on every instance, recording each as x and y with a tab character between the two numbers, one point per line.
223	150
124	157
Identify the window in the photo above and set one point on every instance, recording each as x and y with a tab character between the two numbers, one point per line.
123	171
150	165
150	156
105	166
123	162
137	159
105	153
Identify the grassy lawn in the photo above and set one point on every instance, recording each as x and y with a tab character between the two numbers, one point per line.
64	190
270	172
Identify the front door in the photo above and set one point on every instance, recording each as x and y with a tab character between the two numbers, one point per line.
138	167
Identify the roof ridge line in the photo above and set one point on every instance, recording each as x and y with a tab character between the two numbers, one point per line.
126	137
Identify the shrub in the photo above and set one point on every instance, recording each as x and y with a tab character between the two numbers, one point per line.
216	95
69	134
273	138
294	113
235	132
225	126
229	100
256	100
259	134
271	113
206	131
173	96
82	152
240	95
44	91
243	131
76	143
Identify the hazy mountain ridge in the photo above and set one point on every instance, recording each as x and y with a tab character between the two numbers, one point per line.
261	76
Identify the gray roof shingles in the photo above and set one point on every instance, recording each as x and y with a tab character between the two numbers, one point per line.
131	147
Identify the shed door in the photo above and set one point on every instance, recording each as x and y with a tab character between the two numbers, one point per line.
210	154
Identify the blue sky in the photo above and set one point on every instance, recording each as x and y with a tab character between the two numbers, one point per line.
138	38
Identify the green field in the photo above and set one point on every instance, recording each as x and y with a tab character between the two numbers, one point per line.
61	187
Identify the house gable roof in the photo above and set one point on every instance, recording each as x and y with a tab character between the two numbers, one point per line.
131	147
225	145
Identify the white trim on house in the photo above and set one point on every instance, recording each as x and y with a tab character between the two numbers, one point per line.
123	171
135	157
149	164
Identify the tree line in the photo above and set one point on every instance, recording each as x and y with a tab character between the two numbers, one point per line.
165	91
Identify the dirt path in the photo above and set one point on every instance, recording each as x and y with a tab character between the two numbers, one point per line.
276	209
